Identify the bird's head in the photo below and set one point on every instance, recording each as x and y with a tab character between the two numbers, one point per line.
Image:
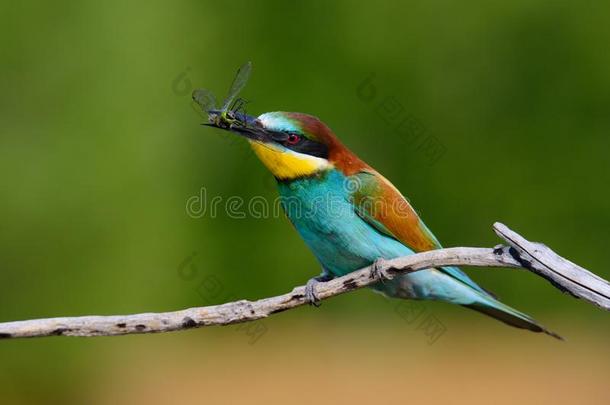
293	145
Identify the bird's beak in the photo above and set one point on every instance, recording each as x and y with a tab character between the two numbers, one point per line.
242	124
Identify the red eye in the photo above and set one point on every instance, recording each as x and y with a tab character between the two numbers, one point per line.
293	139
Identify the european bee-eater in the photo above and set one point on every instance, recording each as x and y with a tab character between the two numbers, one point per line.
350	216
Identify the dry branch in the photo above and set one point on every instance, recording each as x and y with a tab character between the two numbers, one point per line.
535	257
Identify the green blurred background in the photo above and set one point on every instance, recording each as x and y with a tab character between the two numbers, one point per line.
100	149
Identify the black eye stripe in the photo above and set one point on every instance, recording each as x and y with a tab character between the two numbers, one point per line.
309	147
304	145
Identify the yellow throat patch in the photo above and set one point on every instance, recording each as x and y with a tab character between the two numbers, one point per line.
286	164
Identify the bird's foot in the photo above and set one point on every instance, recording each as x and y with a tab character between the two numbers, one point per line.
378	270
310	293
311	297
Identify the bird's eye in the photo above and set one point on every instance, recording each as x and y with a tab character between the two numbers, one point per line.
292	139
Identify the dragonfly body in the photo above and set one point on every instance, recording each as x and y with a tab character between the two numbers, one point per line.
226	116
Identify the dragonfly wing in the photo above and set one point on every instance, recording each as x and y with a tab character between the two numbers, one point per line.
205	99
241	78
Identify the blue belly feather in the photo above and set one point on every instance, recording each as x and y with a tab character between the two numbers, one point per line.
321	211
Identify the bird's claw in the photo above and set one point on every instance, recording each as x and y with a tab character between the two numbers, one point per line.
378	270
310	293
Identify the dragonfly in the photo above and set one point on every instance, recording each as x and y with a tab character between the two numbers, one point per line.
229	114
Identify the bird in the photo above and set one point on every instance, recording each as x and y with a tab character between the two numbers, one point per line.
351	216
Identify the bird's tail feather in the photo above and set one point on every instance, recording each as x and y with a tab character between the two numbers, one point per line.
445	286
510	316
